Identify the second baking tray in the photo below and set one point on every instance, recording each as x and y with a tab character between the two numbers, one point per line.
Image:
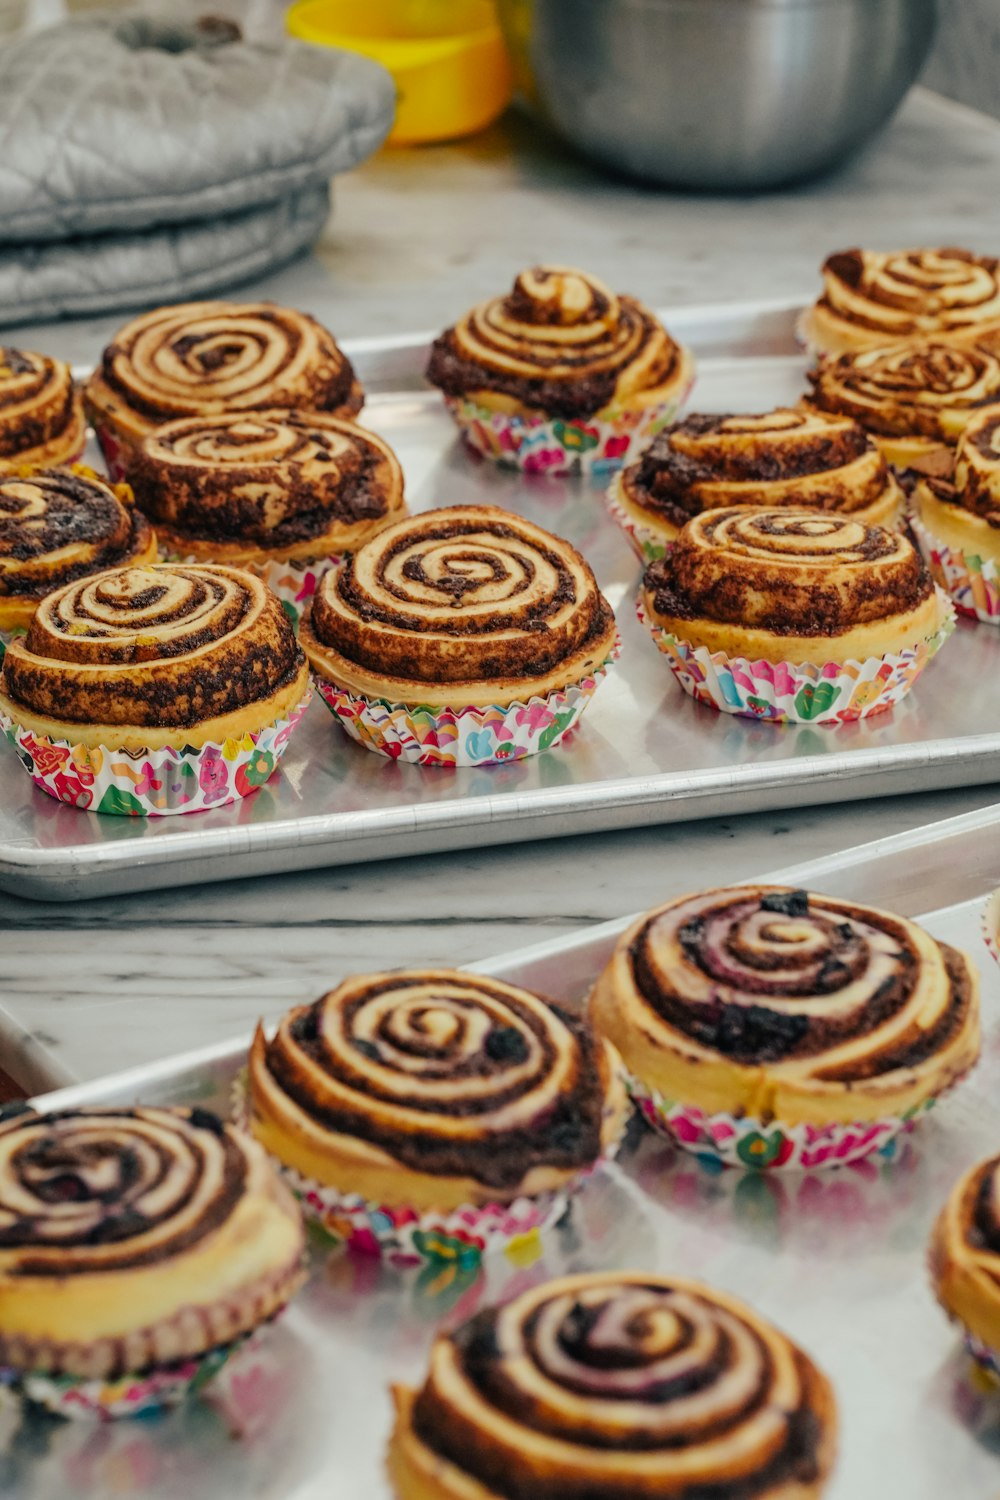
836	1258
645	752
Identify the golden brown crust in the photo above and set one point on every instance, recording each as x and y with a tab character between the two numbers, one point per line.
791	585
926	388
615	1384
560	344
789	456
141	653
464	605
963	510
41	411
57	525
965	1253
786	1005
204	358
873	297
248	487
433	1088
135	1237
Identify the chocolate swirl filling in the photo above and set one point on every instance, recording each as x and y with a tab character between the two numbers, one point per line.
460	594
58	525
764	978
38	404
975	484
782	457
103	1190
270	478
922	388
210	357
789	572
907	293
559	342
447	1073
159	646
607	1386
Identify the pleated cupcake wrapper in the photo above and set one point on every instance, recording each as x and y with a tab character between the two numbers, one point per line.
6	636
294	582
765	1146
116	452
973	583
426	736
124	1396
786	693
556	445
153	783
648	545
991	924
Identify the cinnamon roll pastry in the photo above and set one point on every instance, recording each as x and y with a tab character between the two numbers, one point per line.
914	398
965	1259
206	358
141	658
871	298
41	412
58	525
135	1238
435	1089
963	511
778	458
250	488
622	1385
782	1005
467	605
794	586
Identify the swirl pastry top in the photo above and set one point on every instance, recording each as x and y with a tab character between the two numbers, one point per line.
434	1088
964	510
795	582
41	412
469	604
783	1004
203	358
57	525
562	345
782	457
136	1236
615	1384
965	1253
242	487
874	297
141	657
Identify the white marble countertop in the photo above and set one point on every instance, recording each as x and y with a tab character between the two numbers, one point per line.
415	237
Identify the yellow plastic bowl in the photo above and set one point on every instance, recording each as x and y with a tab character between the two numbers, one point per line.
452	72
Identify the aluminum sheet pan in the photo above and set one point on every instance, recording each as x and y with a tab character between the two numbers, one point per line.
837	1259
645	752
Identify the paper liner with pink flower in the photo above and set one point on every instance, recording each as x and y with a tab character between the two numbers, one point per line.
787	693
153	783
292	581
972	582
768	1145
558	446
461	737
129	1395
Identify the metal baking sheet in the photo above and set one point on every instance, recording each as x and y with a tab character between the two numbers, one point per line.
644	753
837	1259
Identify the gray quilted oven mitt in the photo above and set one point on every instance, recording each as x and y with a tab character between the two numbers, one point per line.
144	160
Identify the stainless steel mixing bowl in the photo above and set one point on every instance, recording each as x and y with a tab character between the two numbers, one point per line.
730	94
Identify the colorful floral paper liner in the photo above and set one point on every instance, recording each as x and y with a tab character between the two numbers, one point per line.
293	582
114	451
426	736
783	693
648	545
125	1396
972	582
153	783
749	1142
541	445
